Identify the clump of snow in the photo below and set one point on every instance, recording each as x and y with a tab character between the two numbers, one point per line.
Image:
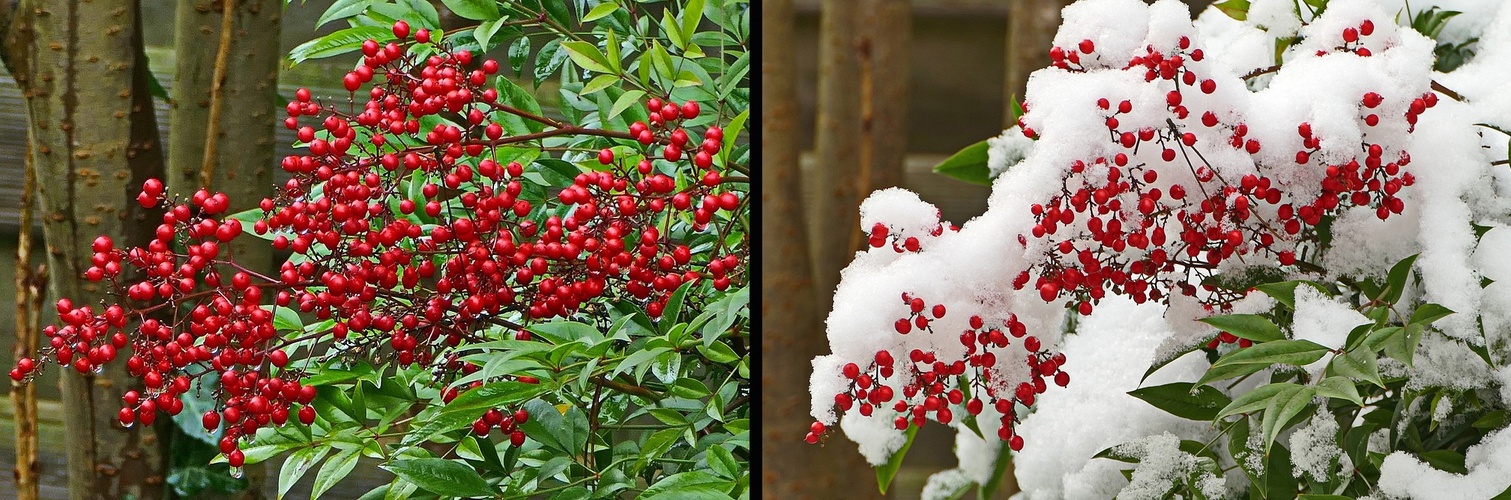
1007	150
1070	426
1314	447
1278	17
944	484
1488	463
1441	361
903	211
877	438
1161	464
1323	320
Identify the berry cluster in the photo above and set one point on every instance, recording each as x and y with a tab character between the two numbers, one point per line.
411	240
932	386
1147	237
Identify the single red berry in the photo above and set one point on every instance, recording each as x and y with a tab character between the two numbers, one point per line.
400	31
1086	46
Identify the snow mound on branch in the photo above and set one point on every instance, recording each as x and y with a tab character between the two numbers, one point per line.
1111	351
1489	465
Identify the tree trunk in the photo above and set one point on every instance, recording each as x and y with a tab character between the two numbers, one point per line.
84	77
28	319
791	326
1031	27
243	151
884	78
838	145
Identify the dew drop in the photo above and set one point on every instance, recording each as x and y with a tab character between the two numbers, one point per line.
128	425
236	472
98	369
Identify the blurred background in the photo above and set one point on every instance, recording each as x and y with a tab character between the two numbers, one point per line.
860	95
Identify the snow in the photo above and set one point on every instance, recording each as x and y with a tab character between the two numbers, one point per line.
1007	150
1314	447
943	485
972	270
1489	465
1114	348
1161	464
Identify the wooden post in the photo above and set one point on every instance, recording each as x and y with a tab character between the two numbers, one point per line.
884	81
838	145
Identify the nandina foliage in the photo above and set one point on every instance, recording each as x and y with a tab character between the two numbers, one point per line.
425	227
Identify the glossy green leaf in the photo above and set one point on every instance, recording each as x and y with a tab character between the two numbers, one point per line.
601	11
477	10
1339	387
1360	364
1183	400
338	43
1249	326
968	165
587	56
441	476
298	462
1428	313
335	470
1284	405
887	471
1396	280
1290	352
1285	291
1403	347
1255	399
342	9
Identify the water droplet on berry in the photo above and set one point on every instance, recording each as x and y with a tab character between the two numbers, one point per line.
236	473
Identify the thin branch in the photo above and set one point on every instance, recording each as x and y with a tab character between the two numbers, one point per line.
217	93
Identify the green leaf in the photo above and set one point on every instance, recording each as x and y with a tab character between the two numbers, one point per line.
1315	496
722	462
1184	400
338	43
1249	326
297	464
1445	460
1236	9
598	83
343	9
601	11
1359	364
1216	373
519	98
519	52
492	395
692	14
1255	399
548	60
1428	313
587	56
655	446
561	332
441	476
968	165
1404	346
1397	279
1491	420
1284	405
1166	359
887	471
476	10
1339	387
485	31
335	470
1290	352
630	98
692	485
1285	291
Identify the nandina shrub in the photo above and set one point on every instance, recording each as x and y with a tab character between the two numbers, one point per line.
487	299
1298	247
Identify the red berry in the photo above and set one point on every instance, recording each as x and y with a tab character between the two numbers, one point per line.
1086	46
400	31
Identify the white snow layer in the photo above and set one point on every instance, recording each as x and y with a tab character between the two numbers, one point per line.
971	270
